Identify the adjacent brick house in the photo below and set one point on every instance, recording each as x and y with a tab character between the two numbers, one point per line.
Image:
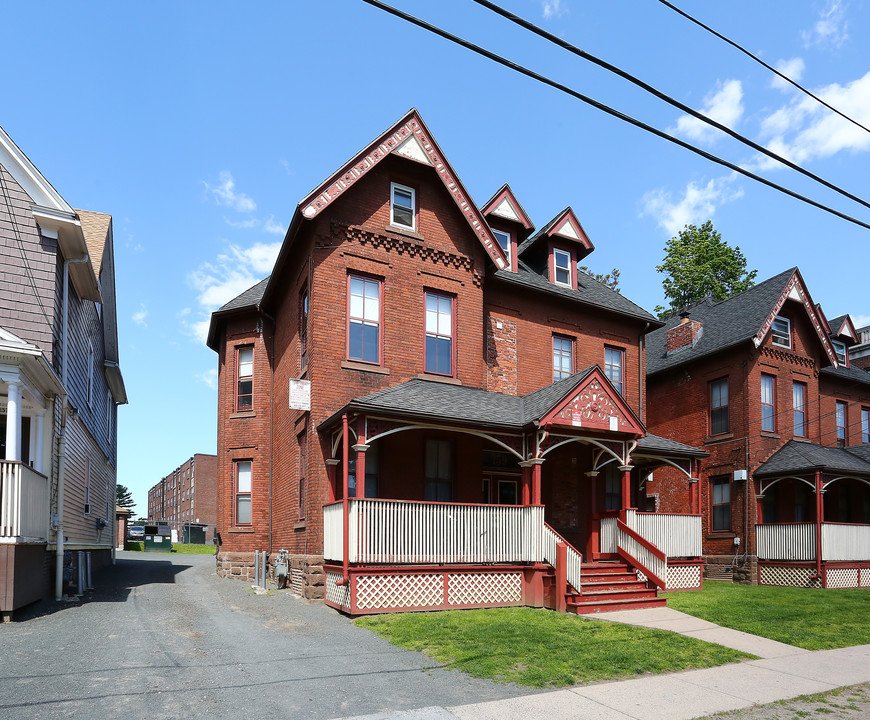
60	385
187	498
763	382
426	397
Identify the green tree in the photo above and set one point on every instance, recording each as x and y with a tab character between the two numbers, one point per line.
611	280
124	498
698	263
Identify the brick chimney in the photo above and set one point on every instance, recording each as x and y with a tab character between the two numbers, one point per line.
685	335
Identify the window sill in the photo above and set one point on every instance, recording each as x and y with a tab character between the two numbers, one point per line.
364	367
241	530
243	414
439	378
300	524
721	437
801	438
770	434
720	535
407	232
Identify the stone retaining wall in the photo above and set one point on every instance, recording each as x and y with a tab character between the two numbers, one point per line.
306	571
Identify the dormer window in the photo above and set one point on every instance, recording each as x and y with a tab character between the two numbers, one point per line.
562	267
402	206
780	332
840	350
504	241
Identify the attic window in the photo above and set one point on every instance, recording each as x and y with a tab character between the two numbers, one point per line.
562	267
780	332
840	350
504	240
402	206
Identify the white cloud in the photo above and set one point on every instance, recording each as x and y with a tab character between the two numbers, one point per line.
831	28
860	320
724	105
209	377
792	69
804	130
271	226
225	194
698	203
140	315
553	8
242	224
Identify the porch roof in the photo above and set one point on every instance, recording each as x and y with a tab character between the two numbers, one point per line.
803	457
663	446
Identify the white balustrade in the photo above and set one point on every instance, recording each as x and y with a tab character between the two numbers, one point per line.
607	535
675	535
575	561
792	541
845	543
24	501
642	554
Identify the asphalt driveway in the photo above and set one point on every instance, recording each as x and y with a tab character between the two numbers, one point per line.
163	637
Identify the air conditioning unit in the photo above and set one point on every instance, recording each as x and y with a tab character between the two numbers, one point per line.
740	476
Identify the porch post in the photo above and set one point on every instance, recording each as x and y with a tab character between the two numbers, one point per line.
360	449
536	479
526	483
345	501
13	421
331	474
594	544
694	487
626	490
820	517
40	440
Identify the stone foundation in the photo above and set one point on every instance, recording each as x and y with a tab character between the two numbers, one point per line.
306	571
723	567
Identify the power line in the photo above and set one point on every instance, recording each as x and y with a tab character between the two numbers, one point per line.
565	45
607	109
761	62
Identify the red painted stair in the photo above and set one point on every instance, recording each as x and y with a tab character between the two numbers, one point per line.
608	586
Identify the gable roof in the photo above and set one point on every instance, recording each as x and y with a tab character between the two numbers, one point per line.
589	292
744	317
250	299
842	328
95	227
802	457
564	226
504	205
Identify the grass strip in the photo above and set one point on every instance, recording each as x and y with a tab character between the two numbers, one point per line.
541	648
809	619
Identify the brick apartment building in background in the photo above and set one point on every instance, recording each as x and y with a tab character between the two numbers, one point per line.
187	496
427	396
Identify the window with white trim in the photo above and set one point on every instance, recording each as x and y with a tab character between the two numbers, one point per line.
504	241
562	267
439	334
768	403
563	357
720	502
242	477
780	332
90	373
840	351
364	319
719	407
865	425
402	206
841	424
245	378
614	360
799	402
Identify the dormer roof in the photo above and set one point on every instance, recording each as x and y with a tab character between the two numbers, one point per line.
566	227
843	329
504	206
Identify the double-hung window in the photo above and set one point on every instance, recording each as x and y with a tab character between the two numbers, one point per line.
364	319
303	329
719	406
301	486
563	357
438	470
242	473
244	378
504	240
768	403
799	402
720	501
614	360
780	332
841	424
865	425
439	334
402	206
840	350
562	267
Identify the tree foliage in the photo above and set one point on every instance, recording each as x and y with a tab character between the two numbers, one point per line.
611	280
698	263
124	498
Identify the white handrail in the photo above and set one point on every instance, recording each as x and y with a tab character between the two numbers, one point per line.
24	501
575	560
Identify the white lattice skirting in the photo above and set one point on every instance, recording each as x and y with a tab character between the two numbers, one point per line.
377	592
848	577
684	577
788	576
296	576
484	588
335	593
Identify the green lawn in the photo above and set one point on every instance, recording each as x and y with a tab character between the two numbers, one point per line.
182	548
542	648
811	619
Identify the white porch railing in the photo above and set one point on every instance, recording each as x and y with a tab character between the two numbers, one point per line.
575	561
640	551
405	532
845	543
675	535
23	501
791	541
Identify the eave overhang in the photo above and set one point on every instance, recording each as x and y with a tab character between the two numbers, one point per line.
115	381
66	228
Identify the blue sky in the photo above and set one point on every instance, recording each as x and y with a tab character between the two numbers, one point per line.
199	127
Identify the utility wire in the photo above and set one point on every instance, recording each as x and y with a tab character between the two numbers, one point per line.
606	109
761	62
663	96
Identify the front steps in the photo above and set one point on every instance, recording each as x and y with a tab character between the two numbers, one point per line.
608	586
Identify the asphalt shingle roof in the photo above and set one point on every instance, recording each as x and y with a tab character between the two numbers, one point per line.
796	456
656	444
849	374
250	298
725	323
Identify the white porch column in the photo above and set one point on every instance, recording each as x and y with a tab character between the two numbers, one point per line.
40	441
13	421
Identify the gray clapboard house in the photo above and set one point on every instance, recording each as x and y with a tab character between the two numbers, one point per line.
60	385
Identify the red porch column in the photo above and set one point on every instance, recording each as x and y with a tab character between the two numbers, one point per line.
360	449
593	545
332	475
526	483
626	489
820	518
536	479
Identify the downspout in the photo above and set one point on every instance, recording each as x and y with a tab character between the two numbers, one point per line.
271	423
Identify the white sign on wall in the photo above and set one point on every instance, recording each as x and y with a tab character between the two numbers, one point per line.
300	395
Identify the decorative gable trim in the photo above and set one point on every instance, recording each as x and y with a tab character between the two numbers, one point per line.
796	290
595	405
409	138
568	226
846	330
504	204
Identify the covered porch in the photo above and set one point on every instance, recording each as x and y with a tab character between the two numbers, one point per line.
814	503
476	499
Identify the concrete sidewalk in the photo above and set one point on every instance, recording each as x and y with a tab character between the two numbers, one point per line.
783	672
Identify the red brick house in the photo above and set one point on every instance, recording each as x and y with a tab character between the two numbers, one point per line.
428	405
763	382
